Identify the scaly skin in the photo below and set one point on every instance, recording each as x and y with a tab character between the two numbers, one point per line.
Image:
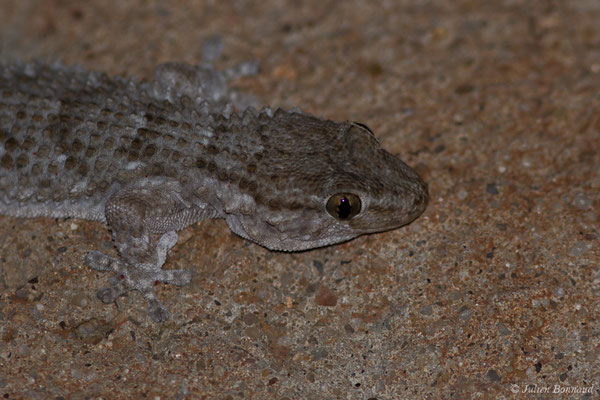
150	158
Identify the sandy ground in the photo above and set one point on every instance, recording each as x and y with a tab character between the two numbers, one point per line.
492	293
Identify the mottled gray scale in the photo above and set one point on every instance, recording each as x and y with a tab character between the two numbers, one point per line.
149	158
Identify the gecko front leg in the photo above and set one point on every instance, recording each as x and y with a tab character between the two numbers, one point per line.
136	215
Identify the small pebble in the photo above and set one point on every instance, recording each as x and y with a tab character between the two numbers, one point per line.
582	202
493	376
79	300
526	162
502	329
319	354
325	297
76	373
319	266
23	351
580	248
426	309
464	314
491	188
249	319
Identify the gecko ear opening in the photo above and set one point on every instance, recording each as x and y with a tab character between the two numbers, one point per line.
363	126
359	137
343	206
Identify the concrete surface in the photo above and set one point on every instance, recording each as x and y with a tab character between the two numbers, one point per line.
492	293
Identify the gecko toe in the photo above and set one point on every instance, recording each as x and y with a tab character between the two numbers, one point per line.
110	294
246	68
158	312
179	277
101	262
140	277
166	243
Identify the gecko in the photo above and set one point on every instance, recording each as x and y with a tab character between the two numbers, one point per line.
149	158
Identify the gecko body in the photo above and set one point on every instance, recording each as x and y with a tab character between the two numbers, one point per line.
150	158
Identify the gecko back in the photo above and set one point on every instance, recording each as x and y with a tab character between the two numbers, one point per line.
69	139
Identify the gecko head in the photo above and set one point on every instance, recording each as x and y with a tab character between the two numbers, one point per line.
328	182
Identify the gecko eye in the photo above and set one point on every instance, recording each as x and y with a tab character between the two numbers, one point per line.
343	205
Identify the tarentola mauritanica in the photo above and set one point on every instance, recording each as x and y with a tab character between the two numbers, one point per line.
150	158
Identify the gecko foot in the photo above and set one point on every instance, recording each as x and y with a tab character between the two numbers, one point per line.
140	276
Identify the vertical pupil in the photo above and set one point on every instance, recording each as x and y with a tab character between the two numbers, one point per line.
344	208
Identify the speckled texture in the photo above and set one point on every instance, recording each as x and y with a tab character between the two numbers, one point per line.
494	288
